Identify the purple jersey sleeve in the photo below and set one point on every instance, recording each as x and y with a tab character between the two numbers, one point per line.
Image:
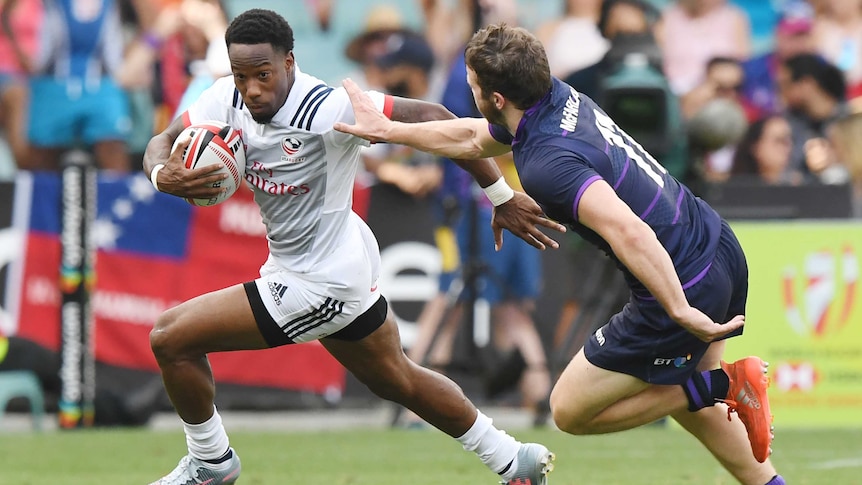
501	134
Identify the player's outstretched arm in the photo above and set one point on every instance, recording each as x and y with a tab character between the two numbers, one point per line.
457	138
173	177
467	141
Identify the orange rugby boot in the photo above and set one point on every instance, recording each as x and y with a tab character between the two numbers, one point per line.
746	397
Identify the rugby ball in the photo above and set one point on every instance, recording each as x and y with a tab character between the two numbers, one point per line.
214	142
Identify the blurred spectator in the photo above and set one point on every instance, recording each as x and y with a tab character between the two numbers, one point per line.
578	27
20	22
724	78
716	119
812	90
838	35
381	22
75	101
628	26
204	25
713	132
405	66
199	25
793	35
764	153
845	136
449	24
691	32
137	74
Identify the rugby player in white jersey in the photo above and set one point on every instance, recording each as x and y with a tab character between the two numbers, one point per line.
320	280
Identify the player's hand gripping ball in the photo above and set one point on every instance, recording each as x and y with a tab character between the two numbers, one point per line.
214	142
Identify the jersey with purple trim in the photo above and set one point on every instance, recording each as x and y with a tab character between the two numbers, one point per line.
565	142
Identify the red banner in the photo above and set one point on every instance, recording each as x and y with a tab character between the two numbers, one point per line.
155	251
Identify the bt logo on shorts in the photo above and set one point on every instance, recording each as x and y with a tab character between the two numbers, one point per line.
600	337
277	290
676	361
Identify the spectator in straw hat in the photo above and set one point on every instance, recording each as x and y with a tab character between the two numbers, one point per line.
380	24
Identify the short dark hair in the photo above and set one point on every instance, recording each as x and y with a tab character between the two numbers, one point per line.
510	61
827	75
259	26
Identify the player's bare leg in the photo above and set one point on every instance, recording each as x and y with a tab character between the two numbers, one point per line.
379	362
436	355
214	322
591	400
181	339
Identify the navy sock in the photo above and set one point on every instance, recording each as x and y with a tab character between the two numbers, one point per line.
227	456
776	480
703	388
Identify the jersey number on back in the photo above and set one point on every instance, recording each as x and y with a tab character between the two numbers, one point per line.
618	138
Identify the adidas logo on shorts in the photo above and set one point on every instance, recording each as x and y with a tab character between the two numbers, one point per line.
277	290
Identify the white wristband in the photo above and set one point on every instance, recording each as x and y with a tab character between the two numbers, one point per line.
499	192
154	175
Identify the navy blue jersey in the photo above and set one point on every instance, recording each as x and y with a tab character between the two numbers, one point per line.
565	142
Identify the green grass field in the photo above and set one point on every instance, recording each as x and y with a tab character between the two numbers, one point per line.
646	456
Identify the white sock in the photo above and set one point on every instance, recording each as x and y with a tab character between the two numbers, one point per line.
208	440
495	448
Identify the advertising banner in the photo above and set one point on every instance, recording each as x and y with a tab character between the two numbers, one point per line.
154	251
804	317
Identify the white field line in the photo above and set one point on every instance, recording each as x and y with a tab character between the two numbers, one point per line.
842	463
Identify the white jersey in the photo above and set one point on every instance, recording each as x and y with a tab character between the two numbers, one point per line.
300	169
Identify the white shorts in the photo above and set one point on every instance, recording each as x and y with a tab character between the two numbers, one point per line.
293	307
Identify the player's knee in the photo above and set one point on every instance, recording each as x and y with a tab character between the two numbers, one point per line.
566	416
166	346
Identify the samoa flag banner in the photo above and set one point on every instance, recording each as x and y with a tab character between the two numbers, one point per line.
153	251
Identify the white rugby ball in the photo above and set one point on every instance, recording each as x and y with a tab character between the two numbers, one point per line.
214	142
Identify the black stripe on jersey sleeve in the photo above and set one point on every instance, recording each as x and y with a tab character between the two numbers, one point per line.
316	102
304	101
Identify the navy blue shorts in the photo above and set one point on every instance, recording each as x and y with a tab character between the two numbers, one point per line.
644	342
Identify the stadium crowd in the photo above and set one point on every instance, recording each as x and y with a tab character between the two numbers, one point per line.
769	90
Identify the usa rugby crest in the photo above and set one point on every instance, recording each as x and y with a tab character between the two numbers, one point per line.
291	145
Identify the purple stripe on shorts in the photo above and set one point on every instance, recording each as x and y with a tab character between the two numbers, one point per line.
686	286
697	278
707	377
692	391
606	148
652	204
777	480
580	193
678	205
623	173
